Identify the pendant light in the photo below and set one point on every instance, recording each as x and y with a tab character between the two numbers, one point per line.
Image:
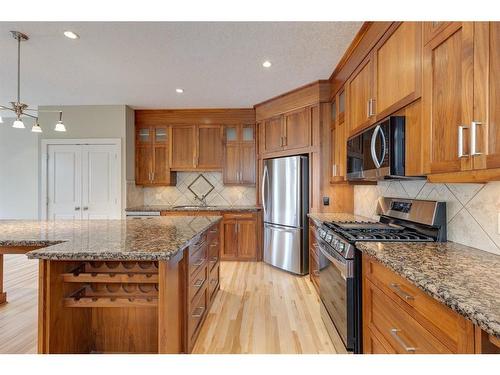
18	123
36	128
60	126
21	109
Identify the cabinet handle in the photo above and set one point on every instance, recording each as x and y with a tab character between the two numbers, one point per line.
213	231
284	140
77	208
368	108
473	138
152	176
85	208
198	283
372	107
198	314
281	141
213	259
194	161
400	341
400	292
461	141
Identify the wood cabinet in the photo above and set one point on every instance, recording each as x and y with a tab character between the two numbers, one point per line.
338	140
196	147
360	97
152	165
241	236
202	281
448	98
289	131
183	155
389	77
398	68
400	318
239	155
485	129
272	134
313	257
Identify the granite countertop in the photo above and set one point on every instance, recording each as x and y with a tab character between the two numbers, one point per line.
149	238
319	218
158	208
463	278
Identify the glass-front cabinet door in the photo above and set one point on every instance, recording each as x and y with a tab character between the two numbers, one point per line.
144	135
248	133
161	135
231	133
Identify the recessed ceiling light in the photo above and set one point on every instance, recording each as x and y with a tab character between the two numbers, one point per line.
71	35
179	91
267	64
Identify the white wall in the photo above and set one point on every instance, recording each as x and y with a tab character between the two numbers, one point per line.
96	121
19	176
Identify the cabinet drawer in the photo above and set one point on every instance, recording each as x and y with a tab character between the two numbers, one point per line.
198	242
197	314
374	344
197	282
213	255
451	328
383	316
213	282
239	215
197	258
213	234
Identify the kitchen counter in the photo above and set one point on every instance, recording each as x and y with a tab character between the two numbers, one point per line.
463	278
145	239
159	208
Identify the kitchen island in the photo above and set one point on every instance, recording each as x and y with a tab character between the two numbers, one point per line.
141	285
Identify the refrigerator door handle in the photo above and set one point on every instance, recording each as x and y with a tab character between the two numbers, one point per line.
283	228
263	187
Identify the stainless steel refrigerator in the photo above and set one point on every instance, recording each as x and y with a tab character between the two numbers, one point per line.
285	201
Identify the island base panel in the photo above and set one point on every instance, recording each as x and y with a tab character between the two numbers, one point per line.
110	307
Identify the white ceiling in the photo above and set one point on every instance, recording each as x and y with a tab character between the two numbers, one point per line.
140	64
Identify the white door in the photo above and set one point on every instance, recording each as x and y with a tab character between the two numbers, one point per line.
100	188
83	182
64	182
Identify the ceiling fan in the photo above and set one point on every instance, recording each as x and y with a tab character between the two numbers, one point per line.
21	109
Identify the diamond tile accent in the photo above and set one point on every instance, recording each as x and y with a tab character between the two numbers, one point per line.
472	209
201	187
181	195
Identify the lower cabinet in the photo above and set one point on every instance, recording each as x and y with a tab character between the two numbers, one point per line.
313	257
241	236
202	278
400	318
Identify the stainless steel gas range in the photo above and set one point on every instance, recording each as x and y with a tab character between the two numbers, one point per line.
401	220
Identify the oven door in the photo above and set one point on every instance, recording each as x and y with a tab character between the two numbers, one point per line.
336	281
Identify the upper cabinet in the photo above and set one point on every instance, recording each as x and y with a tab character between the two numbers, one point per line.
152	156
297	129
398	67
196	147
388	78
239	154
338	141
448	98
209	155
289	131
361	99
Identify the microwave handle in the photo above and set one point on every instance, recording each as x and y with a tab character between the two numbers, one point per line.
372	146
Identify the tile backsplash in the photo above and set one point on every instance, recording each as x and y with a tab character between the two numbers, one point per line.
180	195
472	209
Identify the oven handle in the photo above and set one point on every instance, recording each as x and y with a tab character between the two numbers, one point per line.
342	267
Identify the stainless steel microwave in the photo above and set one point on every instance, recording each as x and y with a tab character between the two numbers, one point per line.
378	152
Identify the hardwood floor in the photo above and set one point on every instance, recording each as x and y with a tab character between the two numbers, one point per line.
18	317
259	309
